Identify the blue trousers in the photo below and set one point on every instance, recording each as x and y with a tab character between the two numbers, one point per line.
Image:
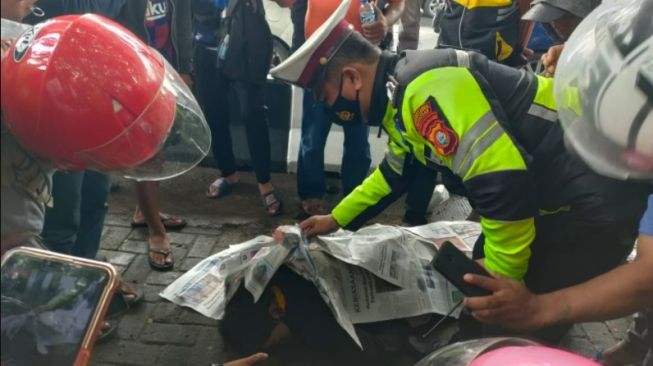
73	225
356	157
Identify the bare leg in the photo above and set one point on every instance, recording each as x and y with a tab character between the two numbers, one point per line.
148	207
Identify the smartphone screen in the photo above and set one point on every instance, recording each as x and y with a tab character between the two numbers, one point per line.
47	308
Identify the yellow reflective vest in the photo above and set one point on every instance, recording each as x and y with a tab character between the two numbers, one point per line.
485	123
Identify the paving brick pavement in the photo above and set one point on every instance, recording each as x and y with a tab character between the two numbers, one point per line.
159	333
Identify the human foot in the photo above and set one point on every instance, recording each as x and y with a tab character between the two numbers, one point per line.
221	187
272	203
168	221
160	254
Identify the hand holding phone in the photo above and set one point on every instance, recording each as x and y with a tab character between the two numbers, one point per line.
454	264
52	306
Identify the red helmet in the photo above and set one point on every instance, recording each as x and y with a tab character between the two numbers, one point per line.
82	92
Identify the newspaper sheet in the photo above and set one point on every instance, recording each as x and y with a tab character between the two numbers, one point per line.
209	285
462	234
377	273
384	273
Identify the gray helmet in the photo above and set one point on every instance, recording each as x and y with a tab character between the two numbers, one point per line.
604	103
546	11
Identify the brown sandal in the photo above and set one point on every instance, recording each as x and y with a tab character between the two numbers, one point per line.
158	266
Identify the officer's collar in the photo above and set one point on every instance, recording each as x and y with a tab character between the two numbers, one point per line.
379	102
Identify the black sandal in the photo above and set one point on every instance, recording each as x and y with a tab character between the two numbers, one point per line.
268	204
158	266
125	297
108	330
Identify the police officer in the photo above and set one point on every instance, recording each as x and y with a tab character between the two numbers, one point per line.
495	128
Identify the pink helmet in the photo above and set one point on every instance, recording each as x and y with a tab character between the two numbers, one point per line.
531	356
502	352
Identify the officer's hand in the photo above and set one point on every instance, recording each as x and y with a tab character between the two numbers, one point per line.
375	32
511	304
318	225
248	361
550	59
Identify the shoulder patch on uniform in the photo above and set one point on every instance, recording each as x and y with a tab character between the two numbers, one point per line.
432	124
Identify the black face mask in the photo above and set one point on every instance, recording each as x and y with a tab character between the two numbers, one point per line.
345	111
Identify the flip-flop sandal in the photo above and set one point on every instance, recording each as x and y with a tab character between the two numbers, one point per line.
108	331
169	222
172	223
268	204
158	266
131	294
125	299
221	186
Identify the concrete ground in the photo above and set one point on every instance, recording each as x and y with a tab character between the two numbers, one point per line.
160	333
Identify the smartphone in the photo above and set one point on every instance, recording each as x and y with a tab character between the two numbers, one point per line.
52	306
454	264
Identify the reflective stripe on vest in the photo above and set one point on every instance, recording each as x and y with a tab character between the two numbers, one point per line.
544	104
449	86
467	141
395	159
505	13
477	127
462	58
543	113
397	147
479	146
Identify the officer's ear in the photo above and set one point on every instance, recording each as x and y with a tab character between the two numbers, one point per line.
352	76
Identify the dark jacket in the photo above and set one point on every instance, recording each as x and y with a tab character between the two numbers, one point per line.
206	22
486	26
132	16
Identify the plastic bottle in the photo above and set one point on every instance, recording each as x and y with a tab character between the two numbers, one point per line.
367	13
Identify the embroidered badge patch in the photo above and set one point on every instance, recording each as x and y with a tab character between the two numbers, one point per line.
431	123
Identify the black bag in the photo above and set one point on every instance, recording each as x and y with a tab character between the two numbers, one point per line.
245	42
